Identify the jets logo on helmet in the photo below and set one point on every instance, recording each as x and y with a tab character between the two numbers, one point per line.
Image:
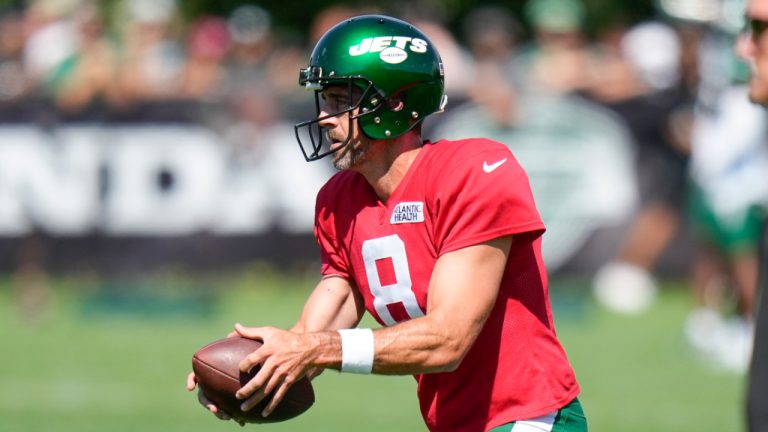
392	48
390	63
380	43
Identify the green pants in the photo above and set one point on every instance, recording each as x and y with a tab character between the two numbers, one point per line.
569	418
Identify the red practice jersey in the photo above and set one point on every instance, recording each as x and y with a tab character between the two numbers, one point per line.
455	194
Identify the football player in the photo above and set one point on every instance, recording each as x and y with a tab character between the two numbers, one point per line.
439	241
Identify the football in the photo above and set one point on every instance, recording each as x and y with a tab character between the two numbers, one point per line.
219	377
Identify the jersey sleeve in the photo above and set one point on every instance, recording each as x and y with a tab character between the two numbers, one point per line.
486	196
331	256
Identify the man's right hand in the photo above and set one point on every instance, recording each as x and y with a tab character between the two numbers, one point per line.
207	403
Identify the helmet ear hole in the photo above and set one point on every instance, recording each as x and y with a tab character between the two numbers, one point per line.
395	104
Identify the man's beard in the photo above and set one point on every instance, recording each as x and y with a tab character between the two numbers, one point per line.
351	155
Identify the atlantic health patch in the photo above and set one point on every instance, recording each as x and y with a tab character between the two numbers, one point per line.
407	212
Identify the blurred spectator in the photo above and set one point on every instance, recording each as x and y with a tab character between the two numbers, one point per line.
82	83
731	185
152	60
52	38
15	84
250	29
204	75
492	34
259	56
556	60
645	88
730	176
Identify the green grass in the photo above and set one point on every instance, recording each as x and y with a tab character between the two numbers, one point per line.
637	373
94	362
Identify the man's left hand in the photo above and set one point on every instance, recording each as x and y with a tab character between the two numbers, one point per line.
285	357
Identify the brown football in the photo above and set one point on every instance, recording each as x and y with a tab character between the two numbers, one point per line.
218	375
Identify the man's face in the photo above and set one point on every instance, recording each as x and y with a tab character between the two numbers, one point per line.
753	47
339	129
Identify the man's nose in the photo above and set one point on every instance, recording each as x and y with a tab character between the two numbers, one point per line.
326	119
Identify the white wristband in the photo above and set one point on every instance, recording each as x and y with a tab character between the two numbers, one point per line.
356	350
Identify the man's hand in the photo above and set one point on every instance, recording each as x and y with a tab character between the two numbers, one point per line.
204	401
207	403
285	357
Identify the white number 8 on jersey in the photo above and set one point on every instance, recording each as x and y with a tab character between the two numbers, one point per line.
401	291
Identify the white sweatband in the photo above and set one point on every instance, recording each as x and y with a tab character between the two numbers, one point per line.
356	350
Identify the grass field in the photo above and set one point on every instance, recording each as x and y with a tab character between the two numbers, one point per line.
99	360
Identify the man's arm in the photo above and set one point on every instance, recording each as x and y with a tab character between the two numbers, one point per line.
462	292
334	304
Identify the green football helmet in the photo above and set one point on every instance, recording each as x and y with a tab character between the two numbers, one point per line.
391	64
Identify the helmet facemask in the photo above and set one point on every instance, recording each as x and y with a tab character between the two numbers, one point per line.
316	143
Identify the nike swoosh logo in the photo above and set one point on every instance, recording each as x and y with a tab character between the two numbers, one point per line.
490	168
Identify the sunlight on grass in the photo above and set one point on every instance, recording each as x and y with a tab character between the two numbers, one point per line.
119	363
